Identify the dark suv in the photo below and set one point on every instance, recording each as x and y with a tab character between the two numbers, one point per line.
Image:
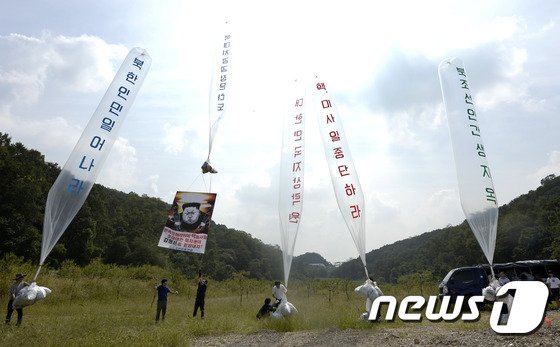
469	281
465	281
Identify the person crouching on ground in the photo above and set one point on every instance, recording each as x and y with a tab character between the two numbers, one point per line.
265	309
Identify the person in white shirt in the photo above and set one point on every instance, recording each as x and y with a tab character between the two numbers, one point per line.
553	284
279	293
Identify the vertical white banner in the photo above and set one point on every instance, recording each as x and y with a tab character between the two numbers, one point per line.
476	189
290	202
78	175
347	189
219	87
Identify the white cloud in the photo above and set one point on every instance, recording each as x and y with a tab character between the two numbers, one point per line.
20	87
518	60
552	167
500	28
120	169
177	137
153	180
84	64
498	94
22	69
38	77
440	209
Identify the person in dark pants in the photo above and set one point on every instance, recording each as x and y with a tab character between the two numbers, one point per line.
18	285
162	291
200	294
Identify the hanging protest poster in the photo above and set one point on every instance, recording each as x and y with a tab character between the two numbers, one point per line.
186	228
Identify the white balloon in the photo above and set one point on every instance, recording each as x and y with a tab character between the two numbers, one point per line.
344	177
219	88
71	188
290	200
476	188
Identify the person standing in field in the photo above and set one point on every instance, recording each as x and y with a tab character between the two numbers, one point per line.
162	291
502	278
200	295
553	284
18	285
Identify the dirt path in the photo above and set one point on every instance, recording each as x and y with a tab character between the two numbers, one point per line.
435	334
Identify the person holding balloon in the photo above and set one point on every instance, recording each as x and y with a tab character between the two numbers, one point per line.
279	293
18	285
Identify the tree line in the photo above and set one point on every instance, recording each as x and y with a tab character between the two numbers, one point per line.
124	228
115	227
528	229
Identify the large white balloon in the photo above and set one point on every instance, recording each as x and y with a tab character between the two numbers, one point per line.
219	87
290	202
78	175
476	189
347	188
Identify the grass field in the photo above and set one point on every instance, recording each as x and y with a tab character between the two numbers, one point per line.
104	305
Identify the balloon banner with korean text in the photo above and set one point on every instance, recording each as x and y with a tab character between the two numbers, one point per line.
84	164
290	200
186	228
476	188
347	189
218	91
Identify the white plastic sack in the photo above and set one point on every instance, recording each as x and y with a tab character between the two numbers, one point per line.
30	295
42	293
372	295
365	289
494	283
285	309
489	293
375	293
371	291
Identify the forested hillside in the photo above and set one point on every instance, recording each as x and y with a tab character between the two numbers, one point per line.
116	227
528	228
123	228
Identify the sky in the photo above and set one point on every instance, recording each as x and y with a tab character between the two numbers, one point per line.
380	62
